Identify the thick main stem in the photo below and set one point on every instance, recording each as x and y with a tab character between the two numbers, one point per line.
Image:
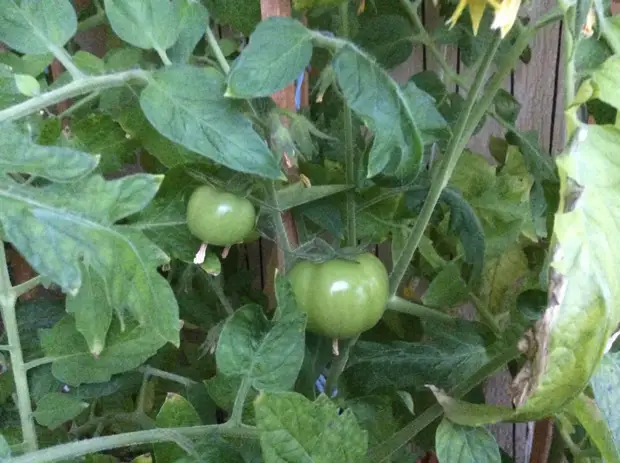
8	298
461	135
75	88
349	153
98	444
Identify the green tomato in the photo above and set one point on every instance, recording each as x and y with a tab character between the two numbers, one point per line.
218	217
342	298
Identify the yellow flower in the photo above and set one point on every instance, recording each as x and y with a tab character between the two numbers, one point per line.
505	15
476	10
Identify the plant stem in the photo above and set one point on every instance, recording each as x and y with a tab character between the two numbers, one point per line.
217	51
98	444
383	451
219	292
78	105
398	304
38	362
484	313
27	286
569	74
237	411
163	56
150	371
281	234
458	142
349	154
75	88
339	365
8	299
65	59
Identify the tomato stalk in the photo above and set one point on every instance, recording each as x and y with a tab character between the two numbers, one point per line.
8	299
75	88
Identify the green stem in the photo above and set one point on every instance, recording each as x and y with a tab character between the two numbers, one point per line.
27	286
98	444
5	348
150	371
339	365
484	313
383	451
163	56
281	235
398	304
217	51
71	90
237	411
458	142
38	362
78	105
349	153
219	292
65	59
569	74
8	299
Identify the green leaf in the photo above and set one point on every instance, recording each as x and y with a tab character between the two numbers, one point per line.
176	411
55	408
605	82
374	414
461	444
538	162
285	298
506	106
268	353
397	146
595	424
36	27
9	93
73	363
447	289
279	50
20	154
223	390
242	15
134	122
298	194
605	382
99	134
186	105
148	24
194	19
215	449
295	429
583	310
56	226
33	65
388	38
502	278
453	353
92	310
431	123
164	220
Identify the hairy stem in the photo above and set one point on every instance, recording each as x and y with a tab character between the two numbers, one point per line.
398	304
237	411
383	451
349	153
150	371
26	286
460	137
339	365
98	444
217	51
75	88
8	299
65	59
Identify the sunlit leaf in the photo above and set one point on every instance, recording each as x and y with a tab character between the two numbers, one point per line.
447	289
176	411
194	20
605	382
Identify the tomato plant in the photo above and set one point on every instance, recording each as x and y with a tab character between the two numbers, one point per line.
136	134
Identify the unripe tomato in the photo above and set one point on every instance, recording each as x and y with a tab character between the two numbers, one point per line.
218	217
342	298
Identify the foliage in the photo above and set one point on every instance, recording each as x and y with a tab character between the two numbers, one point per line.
136	340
